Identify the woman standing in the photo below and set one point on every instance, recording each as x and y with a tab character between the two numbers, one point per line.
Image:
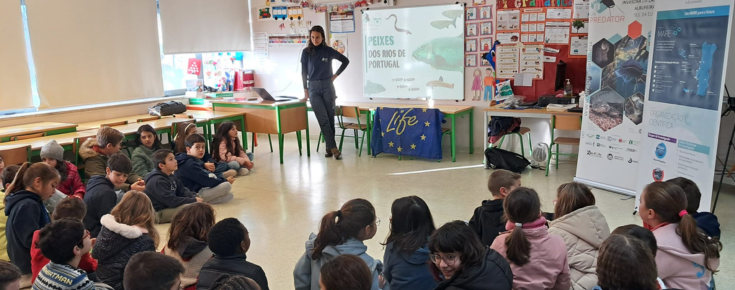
316	67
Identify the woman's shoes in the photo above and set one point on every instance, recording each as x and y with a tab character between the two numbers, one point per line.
337	155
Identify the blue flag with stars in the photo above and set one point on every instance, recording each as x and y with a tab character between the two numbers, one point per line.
408	131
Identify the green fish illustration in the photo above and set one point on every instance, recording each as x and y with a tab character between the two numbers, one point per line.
372	88
445	53
452	13
441	24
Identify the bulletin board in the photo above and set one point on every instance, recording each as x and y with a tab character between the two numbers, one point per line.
542	33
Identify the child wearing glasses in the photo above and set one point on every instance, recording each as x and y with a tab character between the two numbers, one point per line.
71	208
341	232
538	259
64	242
464	263
406	247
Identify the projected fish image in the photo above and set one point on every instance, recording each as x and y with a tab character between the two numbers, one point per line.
442	53
395	25
439	84
372	88
452	14
441	24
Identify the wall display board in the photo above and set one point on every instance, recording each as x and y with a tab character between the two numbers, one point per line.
416	52
685	83
617	66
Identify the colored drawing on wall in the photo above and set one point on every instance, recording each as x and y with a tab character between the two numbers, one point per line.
470	45
486	28
486	12
472	29
478	2
486	44
471	13
470	60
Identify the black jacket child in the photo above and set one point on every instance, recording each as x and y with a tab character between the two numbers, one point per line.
193	175
100	199
26	214
230	265
487	221
166	191
492	273
116	244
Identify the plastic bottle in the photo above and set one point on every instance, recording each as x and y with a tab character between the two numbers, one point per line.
568	90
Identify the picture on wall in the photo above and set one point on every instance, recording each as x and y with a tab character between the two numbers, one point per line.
486	28
471	13
484	62
486	43
470	45
471	29
478	2
486	12
470	60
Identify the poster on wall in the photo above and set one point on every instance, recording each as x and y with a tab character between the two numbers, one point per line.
617	64
581	9
416	52
506	61
578	46
683	98
339	43
557	32
532	61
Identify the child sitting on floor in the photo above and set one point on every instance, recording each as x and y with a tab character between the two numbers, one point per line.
221	169
26	213
487	221
196	178
147	141
153	271
72	208
9	276
705	220
187	240
101	196
71	184
166	192
96	151
226	148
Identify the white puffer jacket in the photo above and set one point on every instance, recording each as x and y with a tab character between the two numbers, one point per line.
583	231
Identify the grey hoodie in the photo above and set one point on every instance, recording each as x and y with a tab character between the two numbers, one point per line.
307	271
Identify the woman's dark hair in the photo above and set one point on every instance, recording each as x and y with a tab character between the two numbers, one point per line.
181	134
572	196
193	221
522	205
346	272
311	48
232	282
668	200
147	128
338	226
642	234
625	263
223	133
457	236
63	169
411	224
58	239
27	173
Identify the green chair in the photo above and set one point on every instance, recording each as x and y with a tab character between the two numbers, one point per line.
337	114
567	123
352	112
520	133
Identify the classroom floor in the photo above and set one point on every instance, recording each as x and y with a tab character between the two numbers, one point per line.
282	204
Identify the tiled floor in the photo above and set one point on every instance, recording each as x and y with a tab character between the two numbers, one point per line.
282	204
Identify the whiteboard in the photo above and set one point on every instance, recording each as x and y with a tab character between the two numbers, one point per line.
415	52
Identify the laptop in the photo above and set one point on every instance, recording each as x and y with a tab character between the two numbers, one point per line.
263	93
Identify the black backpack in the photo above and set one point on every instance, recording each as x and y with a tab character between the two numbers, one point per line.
167	109
502	159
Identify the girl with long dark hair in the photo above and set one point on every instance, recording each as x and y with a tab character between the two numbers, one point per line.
407	253
226	148
316	67
148	142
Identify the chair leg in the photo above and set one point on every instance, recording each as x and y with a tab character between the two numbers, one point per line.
271	143
557	156
500	144
523	152
362	141
341	139
298	137
548	158
253	143
354	132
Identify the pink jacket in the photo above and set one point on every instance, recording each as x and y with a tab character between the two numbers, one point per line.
548	267
73	185
677	266
226	156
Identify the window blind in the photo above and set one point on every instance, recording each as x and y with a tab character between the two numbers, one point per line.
15	78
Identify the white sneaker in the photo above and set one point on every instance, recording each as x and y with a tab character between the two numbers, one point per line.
243	171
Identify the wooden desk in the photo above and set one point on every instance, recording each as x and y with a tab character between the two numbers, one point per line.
50	128
96	124
540	113
66	140
450	111
213	118
271	118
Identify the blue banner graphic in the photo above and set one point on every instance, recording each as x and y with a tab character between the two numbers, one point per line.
411	132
